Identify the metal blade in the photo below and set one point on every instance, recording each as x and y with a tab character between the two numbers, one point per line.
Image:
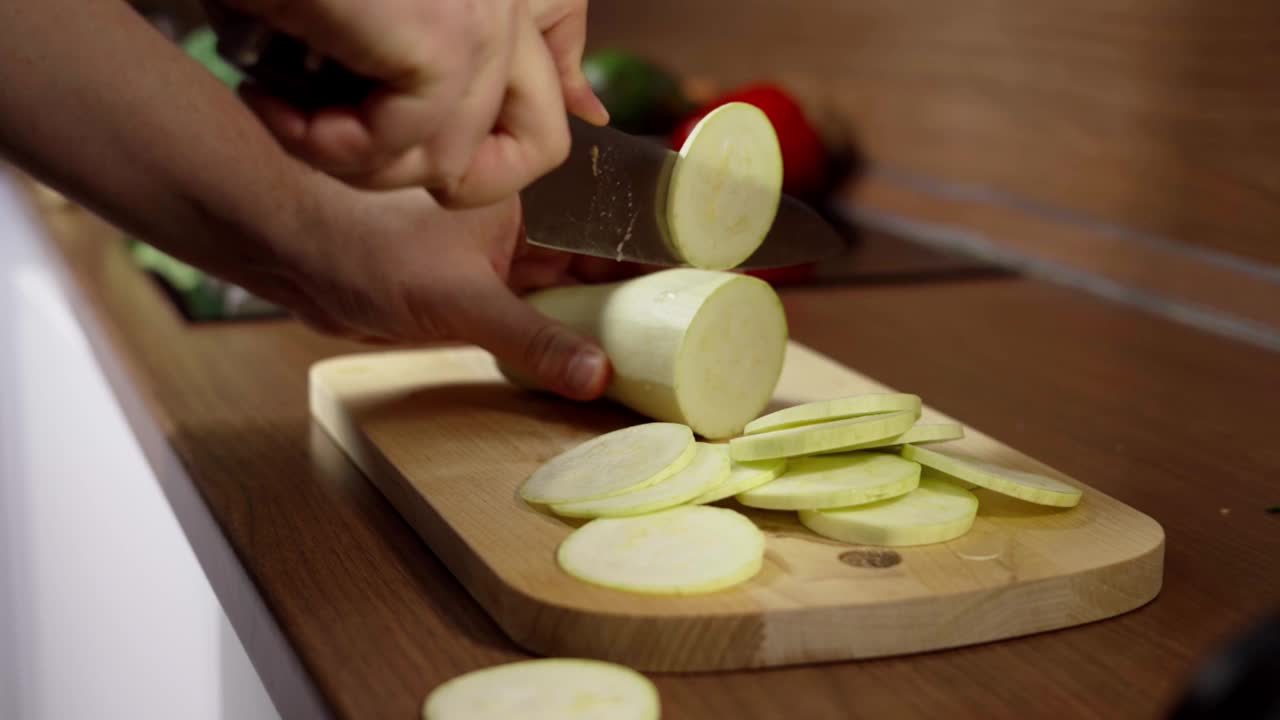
608	200
799	235
605	200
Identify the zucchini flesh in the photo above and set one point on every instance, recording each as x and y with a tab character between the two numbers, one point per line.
546	689
743	476
725	187
690	346
820	437
1028	486
686	550
611	464
840	408
829	481
710	467
934	512
918	434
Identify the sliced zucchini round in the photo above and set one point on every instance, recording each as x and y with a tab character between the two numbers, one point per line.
828	481
687	550
1032	487
743	476
827	410
820	437
725	187
934	512
919	433
546	689
611	464
709	468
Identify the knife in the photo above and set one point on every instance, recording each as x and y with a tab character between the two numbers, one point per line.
607	199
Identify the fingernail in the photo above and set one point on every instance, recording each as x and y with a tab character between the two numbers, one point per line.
584	371
602	112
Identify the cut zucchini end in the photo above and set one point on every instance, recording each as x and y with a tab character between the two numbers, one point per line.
725	187
731	357
560	688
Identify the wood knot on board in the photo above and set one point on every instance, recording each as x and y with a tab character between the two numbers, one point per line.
870	558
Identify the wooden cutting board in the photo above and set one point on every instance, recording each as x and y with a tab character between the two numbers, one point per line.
448	442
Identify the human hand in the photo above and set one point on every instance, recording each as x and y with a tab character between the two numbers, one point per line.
473	98
398	267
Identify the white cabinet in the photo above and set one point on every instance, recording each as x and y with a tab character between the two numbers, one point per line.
104	610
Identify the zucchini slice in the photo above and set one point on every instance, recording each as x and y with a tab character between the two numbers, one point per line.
829	481
820	437
611	464
709	468
725	187
827	410
546	689
686	550
934	512
743	476
1032	487
918	434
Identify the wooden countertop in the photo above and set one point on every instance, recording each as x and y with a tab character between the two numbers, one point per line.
1175	422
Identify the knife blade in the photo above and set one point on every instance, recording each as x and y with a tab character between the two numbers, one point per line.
608	199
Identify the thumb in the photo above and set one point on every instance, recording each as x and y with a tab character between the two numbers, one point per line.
529	344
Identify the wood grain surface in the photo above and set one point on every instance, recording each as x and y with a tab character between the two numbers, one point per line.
1169	273
1159	416
449	443
1158	115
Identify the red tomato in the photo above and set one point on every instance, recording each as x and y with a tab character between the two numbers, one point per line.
804	159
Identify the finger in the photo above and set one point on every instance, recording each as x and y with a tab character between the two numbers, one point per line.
439	164
488	314
532	135
563	24
338	142
285	122
529	275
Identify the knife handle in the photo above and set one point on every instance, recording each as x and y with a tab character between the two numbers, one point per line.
284	65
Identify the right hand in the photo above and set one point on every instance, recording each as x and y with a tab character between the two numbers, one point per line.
474	91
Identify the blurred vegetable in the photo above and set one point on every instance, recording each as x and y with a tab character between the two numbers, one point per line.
202	44
641	97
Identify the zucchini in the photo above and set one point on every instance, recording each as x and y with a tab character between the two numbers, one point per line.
725	187
1028	486
546	689
611	464
840	408
710	467
918	434
687	550
934	512
743	476
691	346
820	437
829	481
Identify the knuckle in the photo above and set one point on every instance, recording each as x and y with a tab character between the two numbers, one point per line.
557	151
